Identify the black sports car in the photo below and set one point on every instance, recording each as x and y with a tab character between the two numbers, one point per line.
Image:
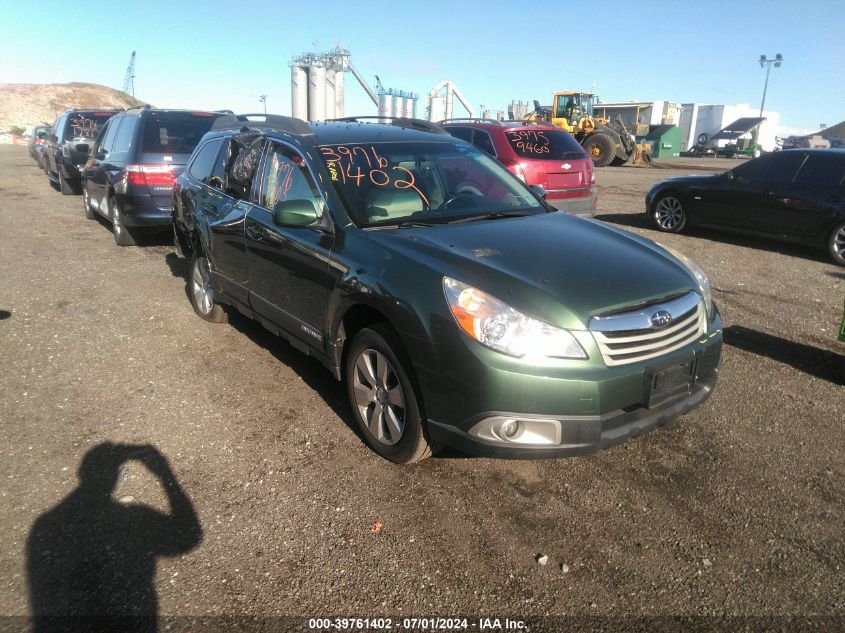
796	195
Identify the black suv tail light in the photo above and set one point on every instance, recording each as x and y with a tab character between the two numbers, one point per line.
150	175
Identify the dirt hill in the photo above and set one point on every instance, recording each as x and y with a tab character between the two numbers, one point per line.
25	104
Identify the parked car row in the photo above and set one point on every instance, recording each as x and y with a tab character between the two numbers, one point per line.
456	303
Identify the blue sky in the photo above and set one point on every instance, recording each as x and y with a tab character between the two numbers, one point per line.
214	54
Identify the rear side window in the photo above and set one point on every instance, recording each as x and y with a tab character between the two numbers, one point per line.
544	144
779	167
175	132
822	171
85	124
463	133
108	140
204	161
123	139
482	141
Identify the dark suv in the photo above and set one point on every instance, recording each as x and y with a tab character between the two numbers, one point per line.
458	307
68	146
133	166
538	154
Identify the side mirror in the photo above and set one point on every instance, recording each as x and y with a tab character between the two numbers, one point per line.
100	155
295	213
216	182
540	190
730	176
82	148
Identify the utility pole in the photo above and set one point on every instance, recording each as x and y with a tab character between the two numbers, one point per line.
263	99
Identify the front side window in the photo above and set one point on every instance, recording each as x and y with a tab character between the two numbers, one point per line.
200	168
779	167
431	182
286	179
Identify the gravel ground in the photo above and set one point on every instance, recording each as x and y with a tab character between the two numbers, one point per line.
736	510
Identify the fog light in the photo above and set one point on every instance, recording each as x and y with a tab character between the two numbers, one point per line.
509	428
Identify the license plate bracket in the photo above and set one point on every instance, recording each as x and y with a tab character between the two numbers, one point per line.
665	382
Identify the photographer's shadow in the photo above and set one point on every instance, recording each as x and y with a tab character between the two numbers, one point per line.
91	561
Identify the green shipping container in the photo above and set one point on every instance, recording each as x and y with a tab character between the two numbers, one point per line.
665	140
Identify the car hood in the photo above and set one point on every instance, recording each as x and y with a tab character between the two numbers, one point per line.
553	266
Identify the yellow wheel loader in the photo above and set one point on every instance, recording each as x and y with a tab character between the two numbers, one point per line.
605	142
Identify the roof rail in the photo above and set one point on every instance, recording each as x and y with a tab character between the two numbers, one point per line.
143	106
417	124
268	121
471	119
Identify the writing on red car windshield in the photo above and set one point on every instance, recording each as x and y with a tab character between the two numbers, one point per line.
530	142
362	166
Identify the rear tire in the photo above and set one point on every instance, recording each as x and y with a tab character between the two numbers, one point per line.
669	213
836	245
65	187
383	399
201	291
122	235
599	147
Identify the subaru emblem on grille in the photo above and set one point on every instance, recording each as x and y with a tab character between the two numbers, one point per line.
660	318
566	166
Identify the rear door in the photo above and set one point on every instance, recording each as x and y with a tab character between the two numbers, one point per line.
168	138
749	201
96	178
289	262
811	204
220	216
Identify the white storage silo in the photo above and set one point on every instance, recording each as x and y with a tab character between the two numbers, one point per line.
398	110
316	92
338	94
331	92
299	92
410	110
385	104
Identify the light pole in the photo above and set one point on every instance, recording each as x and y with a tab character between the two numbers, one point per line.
263	99
764	61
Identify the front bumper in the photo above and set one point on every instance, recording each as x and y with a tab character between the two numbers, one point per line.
579	407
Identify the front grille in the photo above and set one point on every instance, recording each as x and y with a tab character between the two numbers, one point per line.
630	337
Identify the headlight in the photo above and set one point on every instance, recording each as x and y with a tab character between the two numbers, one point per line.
500	327
700	277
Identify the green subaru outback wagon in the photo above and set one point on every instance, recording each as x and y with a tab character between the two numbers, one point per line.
458	307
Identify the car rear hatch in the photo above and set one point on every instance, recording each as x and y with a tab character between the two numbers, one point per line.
167	142
81	131
554	159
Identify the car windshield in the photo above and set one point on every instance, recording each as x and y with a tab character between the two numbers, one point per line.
386	184
544	144
86	124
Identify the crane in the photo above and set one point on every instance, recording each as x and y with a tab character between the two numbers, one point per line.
129	80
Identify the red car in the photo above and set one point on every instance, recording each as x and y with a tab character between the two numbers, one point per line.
537	154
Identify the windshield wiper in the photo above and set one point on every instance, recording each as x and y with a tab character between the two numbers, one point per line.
495	215
407	224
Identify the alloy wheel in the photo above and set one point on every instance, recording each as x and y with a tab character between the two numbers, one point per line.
379	397
201	286
669	213
839	243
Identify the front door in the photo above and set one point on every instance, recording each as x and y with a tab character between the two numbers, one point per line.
289	254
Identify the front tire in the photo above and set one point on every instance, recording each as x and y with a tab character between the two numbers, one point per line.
86	203
836	245
599	147
201	291
383	398
669	213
